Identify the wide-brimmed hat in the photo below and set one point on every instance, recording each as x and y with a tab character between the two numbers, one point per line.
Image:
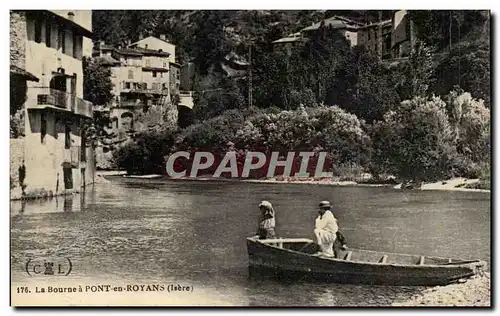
325	204
266	204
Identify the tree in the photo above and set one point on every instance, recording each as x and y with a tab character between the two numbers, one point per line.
363	86
467	66
97	85
216	94
440	28
97	88
415	141
321	56
272	80
471	124
417	73
210	43
18	90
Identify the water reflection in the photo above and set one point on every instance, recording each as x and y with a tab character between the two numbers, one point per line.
194	233
57	204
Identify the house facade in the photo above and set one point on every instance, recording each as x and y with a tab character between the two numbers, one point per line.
385	39
402	37
56	156
376	38
141	79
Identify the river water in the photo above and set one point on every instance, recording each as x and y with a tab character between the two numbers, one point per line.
193	233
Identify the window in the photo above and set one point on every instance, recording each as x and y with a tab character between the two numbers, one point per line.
161	74
77	46
56	128
38	30
61	40
148	62
127	85
47	34
154	74
67	137
130	74
43	127
164	65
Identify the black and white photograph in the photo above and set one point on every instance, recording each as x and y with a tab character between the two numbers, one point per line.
250	158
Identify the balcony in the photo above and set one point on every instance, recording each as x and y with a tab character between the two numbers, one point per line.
131	103
142	88
60	100
149	91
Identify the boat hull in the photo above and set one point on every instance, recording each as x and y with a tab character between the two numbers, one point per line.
268	260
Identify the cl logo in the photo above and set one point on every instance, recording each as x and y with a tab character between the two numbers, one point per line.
49	266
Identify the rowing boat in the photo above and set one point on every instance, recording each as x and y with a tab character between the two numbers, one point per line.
294	257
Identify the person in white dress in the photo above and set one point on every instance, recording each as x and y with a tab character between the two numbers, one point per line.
326	230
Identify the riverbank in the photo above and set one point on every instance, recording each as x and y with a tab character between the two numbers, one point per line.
16	194
456	184
473	292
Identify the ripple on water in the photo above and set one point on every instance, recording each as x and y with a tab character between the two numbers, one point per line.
195	234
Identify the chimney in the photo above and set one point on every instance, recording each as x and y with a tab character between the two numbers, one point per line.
71	16
101	46
163	37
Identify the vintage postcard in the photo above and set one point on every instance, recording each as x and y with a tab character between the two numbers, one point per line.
250	158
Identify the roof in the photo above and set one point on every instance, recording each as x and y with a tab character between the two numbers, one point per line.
107	60
377	24
152	52
106	47
14	70
128	51
287	40
63	21
333	22
175	64
235	59
152	37
140	52
233	72
336	22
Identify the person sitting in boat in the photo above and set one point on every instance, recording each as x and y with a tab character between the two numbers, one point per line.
266	221
327	231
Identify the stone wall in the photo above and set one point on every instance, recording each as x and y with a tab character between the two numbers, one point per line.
18	36
16	159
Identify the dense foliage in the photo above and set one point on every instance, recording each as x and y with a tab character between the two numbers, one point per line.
98	89
97	85
421	139
409	118
18	91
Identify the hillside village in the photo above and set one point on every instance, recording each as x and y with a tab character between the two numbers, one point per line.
150	89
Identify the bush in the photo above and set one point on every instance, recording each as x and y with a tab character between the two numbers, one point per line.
146	154
415	141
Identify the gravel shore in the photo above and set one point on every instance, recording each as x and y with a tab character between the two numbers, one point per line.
474	292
